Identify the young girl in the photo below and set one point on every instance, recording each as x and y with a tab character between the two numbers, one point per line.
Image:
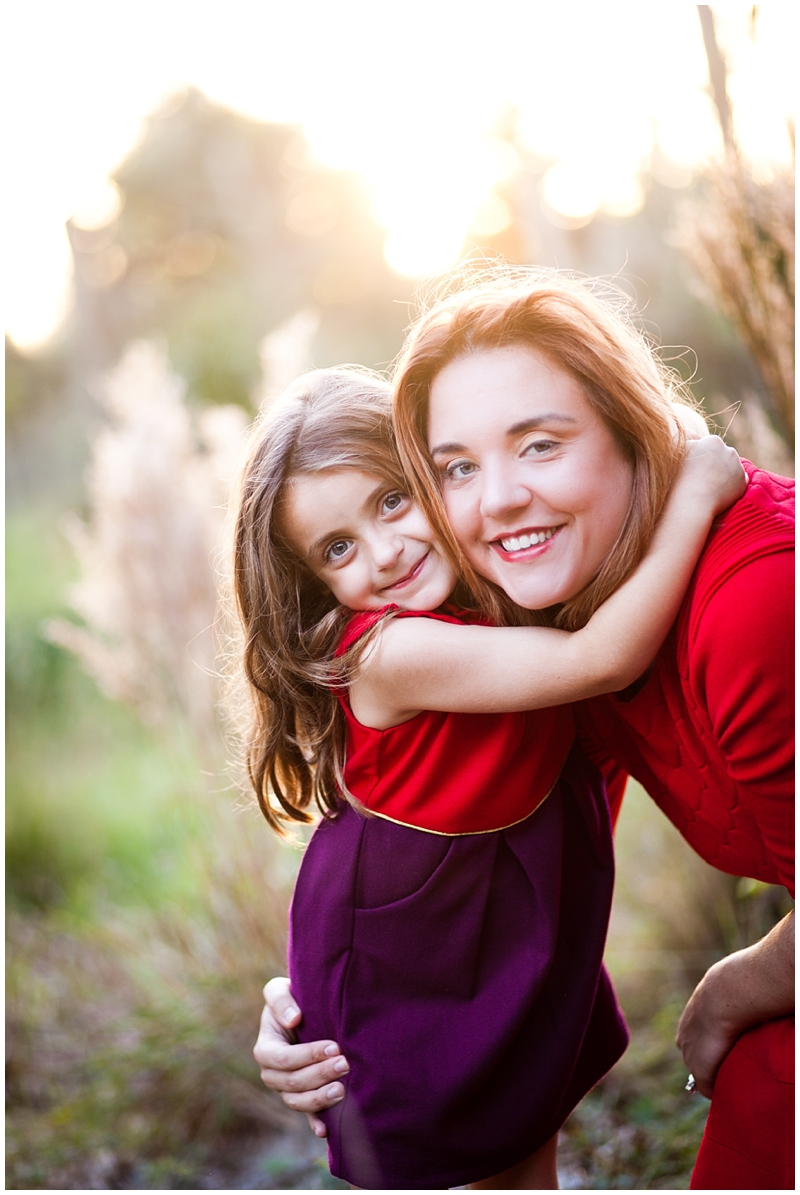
449	917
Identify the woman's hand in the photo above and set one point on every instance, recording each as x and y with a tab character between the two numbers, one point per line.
712	474
306	1075
744	989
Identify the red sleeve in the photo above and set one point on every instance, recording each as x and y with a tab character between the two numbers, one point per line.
742	673
616	778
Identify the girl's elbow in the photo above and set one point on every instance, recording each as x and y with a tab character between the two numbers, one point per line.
619	674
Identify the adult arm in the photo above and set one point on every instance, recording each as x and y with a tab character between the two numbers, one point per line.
307	1075
744	989
743	675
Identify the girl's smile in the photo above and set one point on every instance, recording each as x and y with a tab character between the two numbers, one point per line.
366	540
535	486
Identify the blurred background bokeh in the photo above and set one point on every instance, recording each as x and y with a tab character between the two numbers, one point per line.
203	204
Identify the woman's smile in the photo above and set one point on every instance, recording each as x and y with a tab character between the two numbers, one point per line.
513	545
535	485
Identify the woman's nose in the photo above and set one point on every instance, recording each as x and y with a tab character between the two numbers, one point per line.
502	492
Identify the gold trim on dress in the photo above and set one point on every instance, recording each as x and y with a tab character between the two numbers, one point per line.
458	833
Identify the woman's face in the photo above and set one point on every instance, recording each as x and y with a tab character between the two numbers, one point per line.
535	486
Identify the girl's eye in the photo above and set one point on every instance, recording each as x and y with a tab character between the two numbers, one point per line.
336	550
392	502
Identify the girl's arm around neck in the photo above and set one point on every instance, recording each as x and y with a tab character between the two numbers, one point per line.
422	664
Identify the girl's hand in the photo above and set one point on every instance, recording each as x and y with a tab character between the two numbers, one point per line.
306	1075
691	421
712	475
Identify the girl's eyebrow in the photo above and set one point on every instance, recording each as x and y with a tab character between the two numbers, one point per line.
516	429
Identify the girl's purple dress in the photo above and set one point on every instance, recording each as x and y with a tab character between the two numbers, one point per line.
460	972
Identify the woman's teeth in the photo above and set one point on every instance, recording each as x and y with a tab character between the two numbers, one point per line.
516	543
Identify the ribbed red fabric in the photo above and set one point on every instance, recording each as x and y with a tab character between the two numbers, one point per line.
710	736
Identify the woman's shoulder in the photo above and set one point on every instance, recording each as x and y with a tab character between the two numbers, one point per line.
760	524
744	547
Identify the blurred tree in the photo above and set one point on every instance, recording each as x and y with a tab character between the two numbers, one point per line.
636	249
226	229
739	236
31	378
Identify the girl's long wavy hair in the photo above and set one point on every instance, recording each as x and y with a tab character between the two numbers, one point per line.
591	335
328	419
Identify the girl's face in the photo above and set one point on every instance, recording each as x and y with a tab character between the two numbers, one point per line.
366	540
535	485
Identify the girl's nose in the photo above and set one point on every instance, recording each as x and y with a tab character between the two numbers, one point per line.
502	492
385	550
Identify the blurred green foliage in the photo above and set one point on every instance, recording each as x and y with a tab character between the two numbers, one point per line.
227	228
135	959
85	784
639	1129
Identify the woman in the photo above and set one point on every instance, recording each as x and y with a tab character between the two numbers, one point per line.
547	495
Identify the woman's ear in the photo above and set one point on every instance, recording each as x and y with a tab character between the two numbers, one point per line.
693	424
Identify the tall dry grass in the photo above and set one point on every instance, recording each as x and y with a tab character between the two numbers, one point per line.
131	1016
157	489
739	236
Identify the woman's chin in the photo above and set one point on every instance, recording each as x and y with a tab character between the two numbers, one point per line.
532	592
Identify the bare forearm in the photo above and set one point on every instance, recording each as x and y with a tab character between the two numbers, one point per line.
625	633
757	984
744	989
628	629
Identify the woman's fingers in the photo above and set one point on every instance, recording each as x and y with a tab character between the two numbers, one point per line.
318	1127
297	1097
295	1067
306	1074
278	998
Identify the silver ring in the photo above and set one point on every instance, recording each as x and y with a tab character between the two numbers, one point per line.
691	1084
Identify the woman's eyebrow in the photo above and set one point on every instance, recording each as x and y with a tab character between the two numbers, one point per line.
537	421
516	429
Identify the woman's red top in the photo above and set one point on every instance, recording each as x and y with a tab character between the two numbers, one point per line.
709	731
709	734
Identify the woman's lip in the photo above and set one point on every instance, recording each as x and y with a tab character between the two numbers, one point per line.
408	577
532	550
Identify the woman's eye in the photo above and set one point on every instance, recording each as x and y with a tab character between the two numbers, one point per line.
539	447
458	470
393	502
336	550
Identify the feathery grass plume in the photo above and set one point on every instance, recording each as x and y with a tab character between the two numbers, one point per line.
148	592
739	236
